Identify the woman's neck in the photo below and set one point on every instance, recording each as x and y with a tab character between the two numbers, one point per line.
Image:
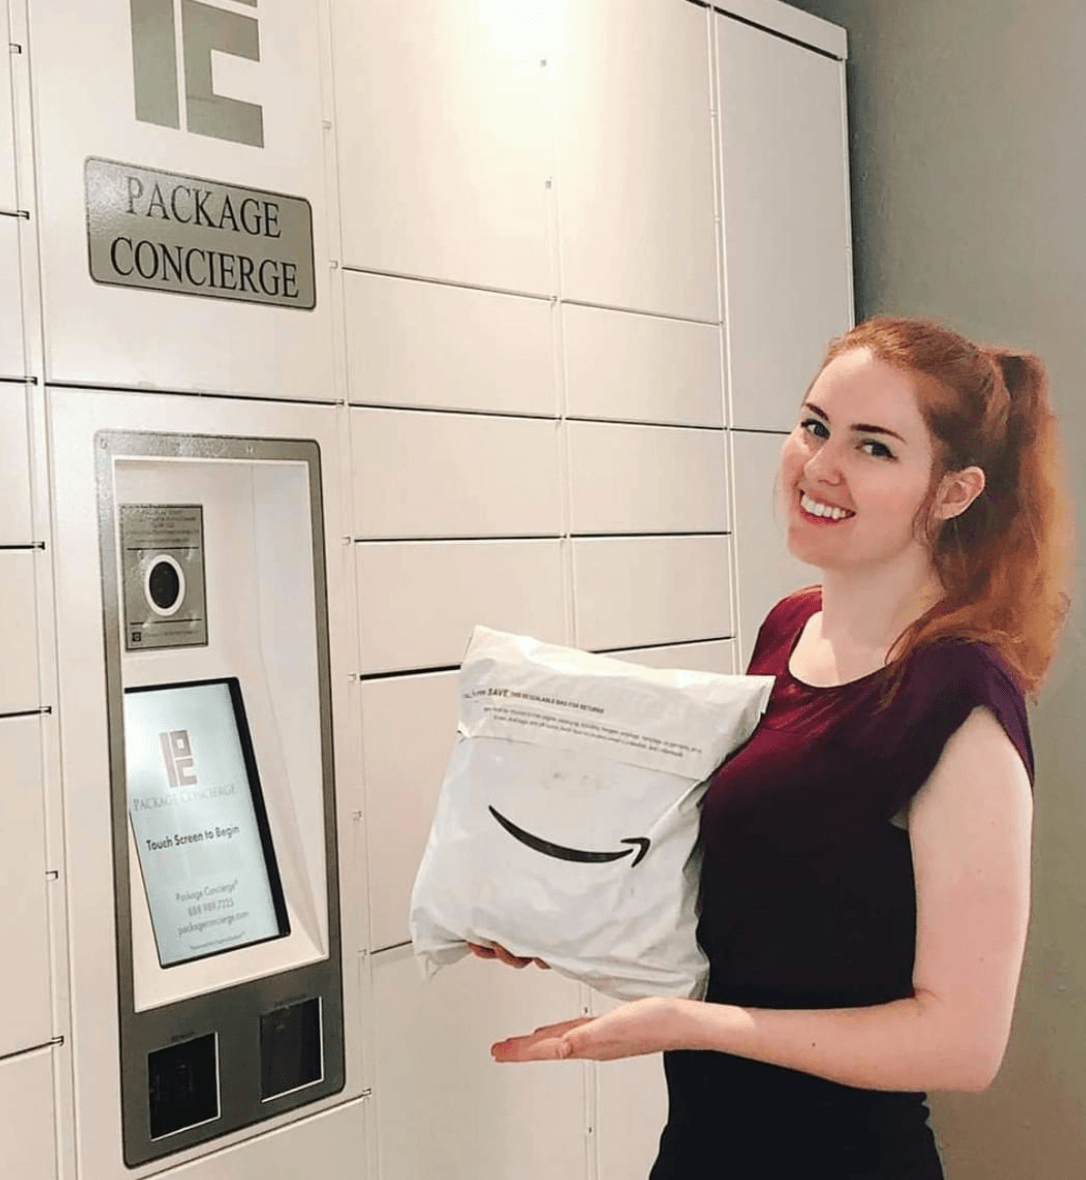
866	612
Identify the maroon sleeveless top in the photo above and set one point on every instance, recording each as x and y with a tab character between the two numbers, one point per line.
808	901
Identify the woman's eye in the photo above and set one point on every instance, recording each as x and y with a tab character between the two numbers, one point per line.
878	449
815	426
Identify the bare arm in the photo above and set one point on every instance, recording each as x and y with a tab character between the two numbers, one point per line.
970	830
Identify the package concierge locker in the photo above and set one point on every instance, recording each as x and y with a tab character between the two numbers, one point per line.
217	834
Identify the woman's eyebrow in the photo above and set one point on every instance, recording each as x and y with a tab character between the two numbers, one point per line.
858	427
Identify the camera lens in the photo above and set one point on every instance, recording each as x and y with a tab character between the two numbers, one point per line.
164	585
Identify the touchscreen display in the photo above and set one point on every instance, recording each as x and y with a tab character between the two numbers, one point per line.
198	820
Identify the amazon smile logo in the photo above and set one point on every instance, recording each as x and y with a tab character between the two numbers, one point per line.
560	852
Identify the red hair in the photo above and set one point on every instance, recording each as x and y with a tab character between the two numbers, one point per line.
1004	562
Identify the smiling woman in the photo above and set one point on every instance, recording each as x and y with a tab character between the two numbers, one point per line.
865	882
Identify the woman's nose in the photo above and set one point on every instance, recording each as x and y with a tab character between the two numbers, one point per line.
824	465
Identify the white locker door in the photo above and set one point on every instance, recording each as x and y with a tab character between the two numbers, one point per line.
767	571
8	197
784	172
444	1108
635	180
25	1010
27	1143
15	519
12	358
444	136
19	687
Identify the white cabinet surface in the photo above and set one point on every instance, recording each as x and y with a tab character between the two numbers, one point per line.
784	174
766	570
635	591
444	134
640	368
419	474
444	1108
25	1016
635	176
8	193
646	479
15	518
12	354
418	601
19	686
430	344
408	733
27	1141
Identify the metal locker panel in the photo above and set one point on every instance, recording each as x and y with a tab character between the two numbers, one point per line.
640	368
12	355
454	475
647	479
28	1142
19	687
718	655
9	199
15	518
25	1015
784	173
444	347
635	175
418	601
766	570
449	108
208	111
635	591
434	1072
408	733
631	1110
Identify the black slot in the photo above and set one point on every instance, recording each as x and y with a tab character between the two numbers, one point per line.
183	1085
290	1048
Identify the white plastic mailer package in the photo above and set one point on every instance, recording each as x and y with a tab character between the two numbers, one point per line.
567	823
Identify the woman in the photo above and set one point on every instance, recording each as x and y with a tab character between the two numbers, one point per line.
865	888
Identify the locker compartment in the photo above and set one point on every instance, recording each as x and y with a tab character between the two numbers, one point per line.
786	218
25	1018
454	475
12	356
715	656
641	368
647	479
27	1147
418	601
8	195
453	348
439	1094
19	686
15	519
408	733
766	570
631	1110
449	108
635	178
631	592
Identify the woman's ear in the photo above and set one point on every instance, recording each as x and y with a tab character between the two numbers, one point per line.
957	491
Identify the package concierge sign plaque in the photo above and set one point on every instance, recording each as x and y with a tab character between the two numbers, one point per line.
198	820
161	231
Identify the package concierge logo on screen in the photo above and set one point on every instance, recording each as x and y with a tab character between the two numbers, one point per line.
207	873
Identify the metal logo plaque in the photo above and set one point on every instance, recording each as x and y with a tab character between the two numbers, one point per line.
162	558
162	231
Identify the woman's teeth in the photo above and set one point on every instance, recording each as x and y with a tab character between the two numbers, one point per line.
816	509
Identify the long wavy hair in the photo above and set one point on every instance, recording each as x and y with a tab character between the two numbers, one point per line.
1006	561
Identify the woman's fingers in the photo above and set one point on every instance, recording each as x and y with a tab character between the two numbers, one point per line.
495	950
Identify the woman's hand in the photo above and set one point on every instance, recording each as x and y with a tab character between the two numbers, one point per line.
494	950
643	1026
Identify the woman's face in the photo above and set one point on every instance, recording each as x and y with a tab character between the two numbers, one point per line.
857	467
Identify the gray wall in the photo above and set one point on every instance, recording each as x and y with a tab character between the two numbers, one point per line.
968	171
